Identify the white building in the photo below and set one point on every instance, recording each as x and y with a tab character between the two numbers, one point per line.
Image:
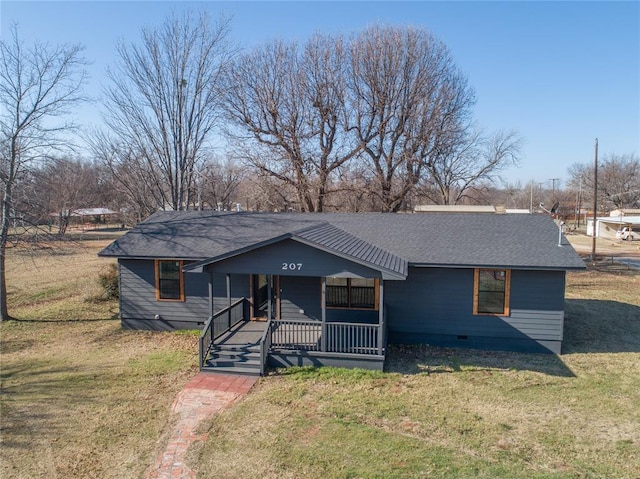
606	226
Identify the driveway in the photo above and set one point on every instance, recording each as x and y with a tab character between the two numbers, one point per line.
631	262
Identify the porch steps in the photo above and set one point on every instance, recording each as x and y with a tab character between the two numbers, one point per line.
234	360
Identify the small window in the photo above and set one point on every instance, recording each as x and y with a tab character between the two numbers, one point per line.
491	291
169	280
353	293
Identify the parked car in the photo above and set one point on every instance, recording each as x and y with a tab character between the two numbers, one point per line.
627	235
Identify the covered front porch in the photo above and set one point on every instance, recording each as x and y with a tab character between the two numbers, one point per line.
234	340
319	293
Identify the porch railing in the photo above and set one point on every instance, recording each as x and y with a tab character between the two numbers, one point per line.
218	324
354	338
383	344
305	335
265	346
296	334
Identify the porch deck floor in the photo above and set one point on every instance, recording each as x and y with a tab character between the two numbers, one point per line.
246	334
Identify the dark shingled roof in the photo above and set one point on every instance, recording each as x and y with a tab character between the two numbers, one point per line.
333	239
387	240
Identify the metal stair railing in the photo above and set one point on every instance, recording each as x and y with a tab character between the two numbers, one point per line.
218	324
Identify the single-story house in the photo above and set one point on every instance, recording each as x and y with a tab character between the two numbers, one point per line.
86	216
336	288
455	209
625	212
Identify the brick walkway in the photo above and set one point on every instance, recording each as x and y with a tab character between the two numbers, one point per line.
202	397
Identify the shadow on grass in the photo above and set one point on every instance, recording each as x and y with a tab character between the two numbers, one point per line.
601	326
426	359
112	318
591	326
115	316
10	346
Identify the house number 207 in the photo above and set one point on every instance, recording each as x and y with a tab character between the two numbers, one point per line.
292	266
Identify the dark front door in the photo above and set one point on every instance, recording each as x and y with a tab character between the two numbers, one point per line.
263	296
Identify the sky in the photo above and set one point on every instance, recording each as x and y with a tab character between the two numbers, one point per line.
561	74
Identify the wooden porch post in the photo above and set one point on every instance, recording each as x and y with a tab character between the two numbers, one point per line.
381	316
229	301
269	293
323	337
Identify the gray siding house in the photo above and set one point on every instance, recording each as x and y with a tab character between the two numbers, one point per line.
336	288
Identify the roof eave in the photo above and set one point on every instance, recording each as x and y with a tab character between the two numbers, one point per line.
386	273
199	266
505	266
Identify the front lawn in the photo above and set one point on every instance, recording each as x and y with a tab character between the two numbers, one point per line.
81	398
451	413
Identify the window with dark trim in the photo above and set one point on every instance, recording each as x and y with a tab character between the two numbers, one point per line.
491	291
352	293
169	280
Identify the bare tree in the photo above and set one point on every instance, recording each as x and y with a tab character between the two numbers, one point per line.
38	85
286	107
352	192
259	191
217	185
163	105
511	195
618	181
377	105
137	185
62	186
456	168
408	99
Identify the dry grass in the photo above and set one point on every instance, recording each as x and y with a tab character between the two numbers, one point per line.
85	399
80	398
54	281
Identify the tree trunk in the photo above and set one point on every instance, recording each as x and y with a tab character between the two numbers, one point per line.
322	191
4	311
4	233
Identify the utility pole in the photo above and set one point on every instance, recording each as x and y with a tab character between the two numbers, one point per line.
579	203
541	195
595	203
531	199
553	187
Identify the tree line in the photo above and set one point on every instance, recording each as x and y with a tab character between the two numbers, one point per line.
384	115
